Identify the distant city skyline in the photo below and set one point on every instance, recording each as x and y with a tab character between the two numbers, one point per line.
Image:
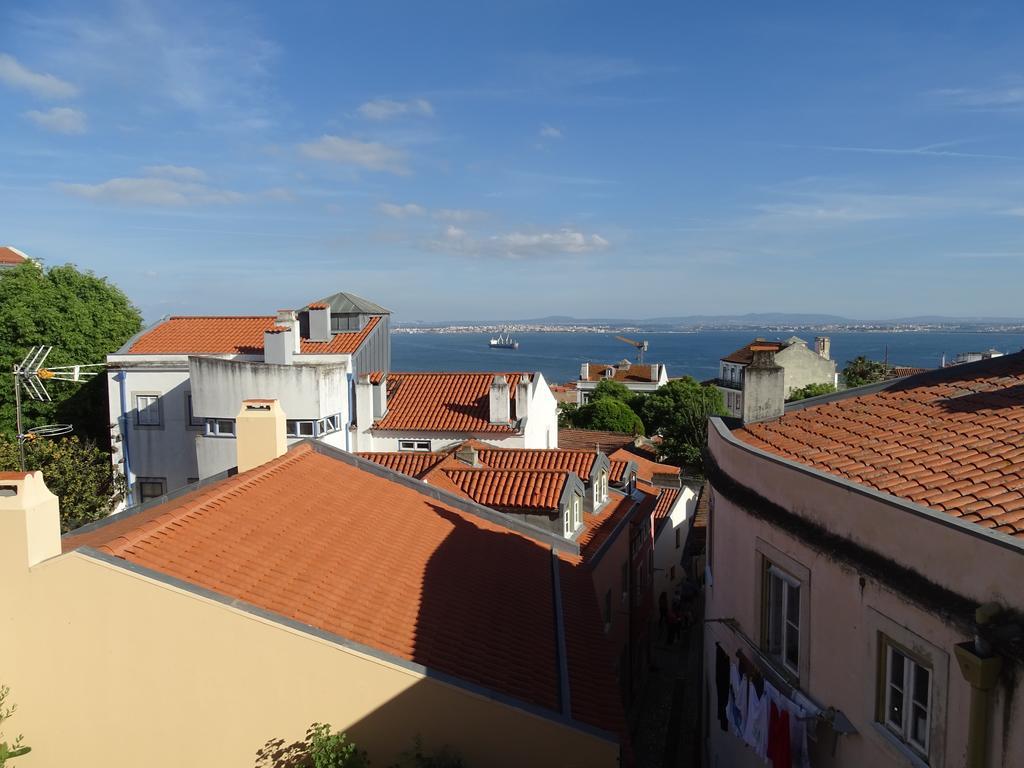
468	161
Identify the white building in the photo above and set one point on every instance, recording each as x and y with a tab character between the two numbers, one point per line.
636	377
176	388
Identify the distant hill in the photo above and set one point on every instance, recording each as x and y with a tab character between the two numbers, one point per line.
749	320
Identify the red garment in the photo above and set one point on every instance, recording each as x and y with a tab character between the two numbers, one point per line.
778	738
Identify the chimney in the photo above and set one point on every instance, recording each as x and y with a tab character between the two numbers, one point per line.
467	454
500	410
259	433
654	371
278	347
764	395
823	346
364	402
319	322
585	372
380	398
29	520
523	397
287	319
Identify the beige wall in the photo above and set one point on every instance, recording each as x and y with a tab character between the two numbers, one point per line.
845	617
113	668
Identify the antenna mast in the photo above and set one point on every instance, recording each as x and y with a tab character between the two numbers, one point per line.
30	374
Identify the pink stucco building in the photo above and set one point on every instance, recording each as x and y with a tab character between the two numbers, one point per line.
866	576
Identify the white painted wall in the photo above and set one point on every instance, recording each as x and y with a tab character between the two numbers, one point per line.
666	554
541	430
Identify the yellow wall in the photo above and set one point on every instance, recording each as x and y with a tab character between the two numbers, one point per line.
112	668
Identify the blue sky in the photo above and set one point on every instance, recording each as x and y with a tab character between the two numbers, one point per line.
508	160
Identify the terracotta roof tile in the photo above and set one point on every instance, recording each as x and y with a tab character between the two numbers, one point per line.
533	490
195	335
444	402
646	469
9	255
413	463
948	439
745	355
580	462
666	501
597	528
418	579
593	439
633	372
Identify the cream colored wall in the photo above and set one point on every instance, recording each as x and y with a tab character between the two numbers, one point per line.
112	668
843	613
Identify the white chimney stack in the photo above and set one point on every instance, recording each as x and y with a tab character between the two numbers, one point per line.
319	322
823	346
29	520
523	397
585	372
260	434
500	410
287	319
278	346
380	398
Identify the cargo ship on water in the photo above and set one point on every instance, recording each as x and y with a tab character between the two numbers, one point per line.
504	342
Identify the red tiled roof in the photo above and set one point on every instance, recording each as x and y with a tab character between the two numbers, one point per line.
597	528
646	469
233	335
10	255
745	355
444	402
617	470
666	500
593	439
533	490
634	372
417	578
950	439
580	462
898	371
412	463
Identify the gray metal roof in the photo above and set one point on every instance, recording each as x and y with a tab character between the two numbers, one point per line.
349	304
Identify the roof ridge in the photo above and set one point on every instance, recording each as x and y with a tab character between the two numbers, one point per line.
222	317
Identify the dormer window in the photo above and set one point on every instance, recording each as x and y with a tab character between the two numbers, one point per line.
603	487
576	506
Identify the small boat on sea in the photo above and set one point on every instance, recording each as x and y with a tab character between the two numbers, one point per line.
504	342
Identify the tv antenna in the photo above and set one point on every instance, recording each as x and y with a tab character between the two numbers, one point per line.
31	375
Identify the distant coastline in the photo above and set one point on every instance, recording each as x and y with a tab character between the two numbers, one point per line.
959	327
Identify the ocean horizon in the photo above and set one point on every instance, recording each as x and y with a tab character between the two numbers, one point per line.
558	355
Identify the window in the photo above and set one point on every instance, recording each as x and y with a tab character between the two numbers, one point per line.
150	488
190	416
672	573
783	618
575	512
300	428
414	445
220	427
906	702
567	523
678	531
329	424
147	411
604	486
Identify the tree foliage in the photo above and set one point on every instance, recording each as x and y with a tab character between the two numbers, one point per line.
567	414
77	472
608	414
861	371
679	412
84	318
613	389
811	390
9	751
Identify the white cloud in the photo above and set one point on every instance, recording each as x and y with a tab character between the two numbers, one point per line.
550	132
152	191
518	245
386	109
1004	97
181	172
58	119
371	155
396	211
46	86
458	214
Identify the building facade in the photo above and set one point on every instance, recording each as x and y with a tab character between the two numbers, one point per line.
862	557
801	365
636	377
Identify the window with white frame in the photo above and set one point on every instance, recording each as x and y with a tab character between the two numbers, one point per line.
300	428
575	512
414	445
604	486
147	411
567	522
151	488
905	704
220	427
782	617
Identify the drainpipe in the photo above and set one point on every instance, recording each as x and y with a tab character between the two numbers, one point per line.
122	380
351	405
980	668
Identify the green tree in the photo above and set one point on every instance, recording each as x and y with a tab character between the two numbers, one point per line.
9	751
84	318
608	414
567	414
861	371
78	473
611	388
679	412
811	390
